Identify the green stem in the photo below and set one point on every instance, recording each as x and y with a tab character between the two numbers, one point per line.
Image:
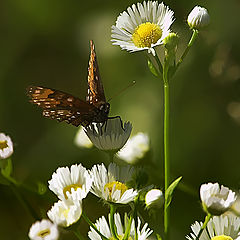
159	63
166	156
112	222
208	217
78	234
192	40
93	226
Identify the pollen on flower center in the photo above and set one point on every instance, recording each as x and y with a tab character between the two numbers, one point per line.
69	188
44	233
146	34
221	237
3	144
116	186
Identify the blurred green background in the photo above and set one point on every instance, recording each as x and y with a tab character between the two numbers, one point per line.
46	43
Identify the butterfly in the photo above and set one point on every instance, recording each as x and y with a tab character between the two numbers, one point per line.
65	107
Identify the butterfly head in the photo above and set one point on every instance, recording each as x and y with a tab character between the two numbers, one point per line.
104	108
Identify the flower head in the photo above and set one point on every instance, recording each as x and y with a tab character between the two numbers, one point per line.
198	18
82	140
111	184
142	26
73	183
103	226
6	146
110	136
135	148
43	230
154	198
65	213
218	228
216	200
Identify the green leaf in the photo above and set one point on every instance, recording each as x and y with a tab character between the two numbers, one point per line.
7	168
152	68
169	191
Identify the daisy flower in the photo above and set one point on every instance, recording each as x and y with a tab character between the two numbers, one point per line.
135	148
65	213
154	198
216	200
82	140
103	226
198	18
6	146
43	230
71	183
218	228
110	136
111	184
143	26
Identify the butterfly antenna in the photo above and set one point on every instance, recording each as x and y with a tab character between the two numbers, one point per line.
130	85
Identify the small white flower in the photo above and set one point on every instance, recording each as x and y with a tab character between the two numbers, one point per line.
82	140
110	136
43	230
218	228
135	148
198	18
216	200
103	226
154	198
73	183
6	146
65	213
142	26
111	184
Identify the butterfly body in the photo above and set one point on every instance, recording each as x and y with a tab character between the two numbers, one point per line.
65	107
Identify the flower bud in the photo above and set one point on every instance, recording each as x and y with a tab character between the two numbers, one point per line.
198	18
154	198
171	41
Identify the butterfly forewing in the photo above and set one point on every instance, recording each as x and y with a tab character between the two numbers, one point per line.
61	106
95	86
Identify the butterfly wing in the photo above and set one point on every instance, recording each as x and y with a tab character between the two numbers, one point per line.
95	86
61	106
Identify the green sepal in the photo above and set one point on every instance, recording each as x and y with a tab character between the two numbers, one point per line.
169	191
152	68
6	167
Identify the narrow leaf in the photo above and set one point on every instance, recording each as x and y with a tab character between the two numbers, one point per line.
170	189
152	68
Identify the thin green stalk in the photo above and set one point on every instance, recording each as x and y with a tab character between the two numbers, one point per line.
192	40
166	156
78	234
93	226
111	156
128	229
208	217
112	222
159	63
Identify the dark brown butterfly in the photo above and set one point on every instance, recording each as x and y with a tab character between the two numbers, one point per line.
65	107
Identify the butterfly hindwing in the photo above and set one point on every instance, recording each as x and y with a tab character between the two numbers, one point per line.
95	86
61	106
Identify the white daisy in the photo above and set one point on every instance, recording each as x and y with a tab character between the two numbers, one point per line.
43	230
71	183
135	148
82	140
65	213
142	26
110	136
198	18
154	198
103	226
111	184
6	146
216	200
218	228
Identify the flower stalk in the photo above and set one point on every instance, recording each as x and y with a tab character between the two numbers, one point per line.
112	222
208	217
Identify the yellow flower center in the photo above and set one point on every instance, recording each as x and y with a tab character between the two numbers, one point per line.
146	34
69	189
221	237
44	233
3	144
120	237
117	186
